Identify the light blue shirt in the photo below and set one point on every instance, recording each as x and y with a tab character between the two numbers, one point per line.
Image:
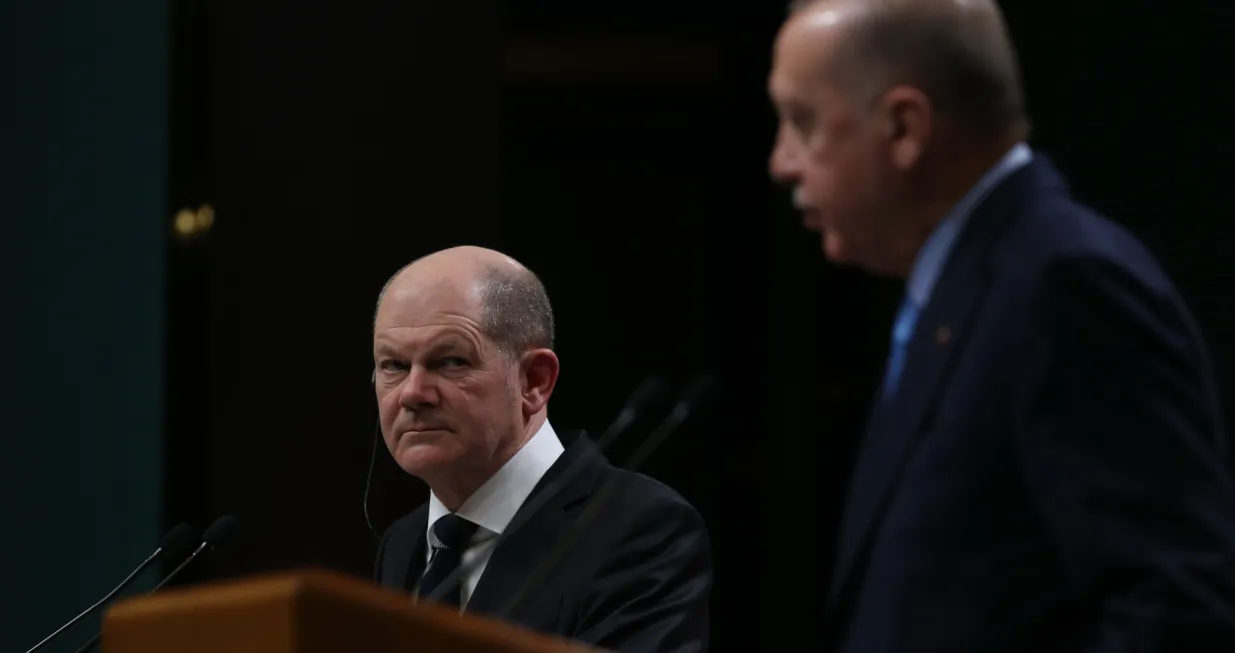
934	254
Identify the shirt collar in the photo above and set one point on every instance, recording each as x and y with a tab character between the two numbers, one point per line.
934	254
495	503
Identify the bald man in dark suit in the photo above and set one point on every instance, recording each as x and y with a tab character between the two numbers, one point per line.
464	368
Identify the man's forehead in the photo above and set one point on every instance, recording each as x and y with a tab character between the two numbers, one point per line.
790	88
436	336
784	90
409	304
806	44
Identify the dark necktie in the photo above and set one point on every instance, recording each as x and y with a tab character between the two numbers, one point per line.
453	534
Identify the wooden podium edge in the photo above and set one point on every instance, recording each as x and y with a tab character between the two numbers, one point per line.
311	611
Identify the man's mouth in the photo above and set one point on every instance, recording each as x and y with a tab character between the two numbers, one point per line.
811	219
425	430
799	199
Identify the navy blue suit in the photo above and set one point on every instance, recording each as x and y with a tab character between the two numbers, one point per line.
1049	474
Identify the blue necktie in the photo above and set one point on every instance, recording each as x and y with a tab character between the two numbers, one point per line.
902	333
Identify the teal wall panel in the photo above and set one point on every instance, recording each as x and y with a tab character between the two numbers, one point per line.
82	238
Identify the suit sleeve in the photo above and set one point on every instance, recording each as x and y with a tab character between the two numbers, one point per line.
1121	450
652	595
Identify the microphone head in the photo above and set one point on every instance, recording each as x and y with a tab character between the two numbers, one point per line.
219	531
646	393
699	391
179	540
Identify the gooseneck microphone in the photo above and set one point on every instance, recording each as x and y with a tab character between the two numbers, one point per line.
175	543
215	535
693	398
218	533
645	396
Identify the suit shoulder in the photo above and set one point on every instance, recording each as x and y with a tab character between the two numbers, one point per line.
643	494
407	525
1057	233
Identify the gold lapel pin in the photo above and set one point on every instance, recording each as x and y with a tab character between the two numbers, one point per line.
942	335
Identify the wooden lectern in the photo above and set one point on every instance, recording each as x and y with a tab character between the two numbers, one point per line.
307	612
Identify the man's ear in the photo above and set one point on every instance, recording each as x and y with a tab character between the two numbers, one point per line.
910	121
538	370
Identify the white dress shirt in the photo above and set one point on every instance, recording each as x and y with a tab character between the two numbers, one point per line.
493	505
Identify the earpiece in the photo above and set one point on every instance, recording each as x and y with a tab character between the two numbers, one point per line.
368	483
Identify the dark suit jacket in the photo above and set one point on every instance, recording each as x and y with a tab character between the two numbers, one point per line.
1050	475
638	580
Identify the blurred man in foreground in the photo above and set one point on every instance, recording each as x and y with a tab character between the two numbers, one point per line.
463	348
1044	469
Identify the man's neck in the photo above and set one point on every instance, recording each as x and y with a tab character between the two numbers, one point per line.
456	490
956	172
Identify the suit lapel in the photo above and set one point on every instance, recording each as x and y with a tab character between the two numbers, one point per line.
535	528
408	569
898	422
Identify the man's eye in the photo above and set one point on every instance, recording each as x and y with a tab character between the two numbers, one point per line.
803	130
802	123
392	366
453	361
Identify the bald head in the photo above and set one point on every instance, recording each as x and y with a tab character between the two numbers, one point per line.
514	309
957	52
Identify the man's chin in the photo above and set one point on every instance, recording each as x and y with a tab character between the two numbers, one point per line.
835	248
839	253
424	459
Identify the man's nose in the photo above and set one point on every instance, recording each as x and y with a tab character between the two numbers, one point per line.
783	161
419	390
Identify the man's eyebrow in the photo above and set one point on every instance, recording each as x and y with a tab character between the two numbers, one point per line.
383	348
793	103
788	104
436	345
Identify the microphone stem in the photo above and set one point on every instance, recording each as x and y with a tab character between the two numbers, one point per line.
618	427
90	644
680	414
201	547
175	572
105	599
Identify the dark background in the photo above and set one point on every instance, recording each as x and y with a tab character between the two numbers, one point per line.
619	150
